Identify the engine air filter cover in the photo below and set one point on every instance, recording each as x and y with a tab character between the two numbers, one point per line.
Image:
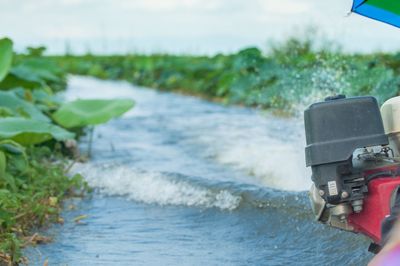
339	125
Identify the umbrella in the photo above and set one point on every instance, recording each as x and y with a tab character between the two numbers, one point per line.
387	11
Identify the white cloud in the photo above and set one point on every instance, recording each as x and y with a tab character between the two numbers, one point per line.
285	7
69	32
72	2
185	25
172	5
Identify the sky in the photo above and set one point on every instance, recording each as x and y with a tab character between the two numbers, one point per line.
185	26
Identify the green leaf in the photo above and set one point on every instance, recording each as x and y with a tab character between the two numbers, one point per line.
36	51
10	180
81	113
5	112
21	76
3	164
46	100
18	165
20	107
5	218
12	81
42	68
28	131
6	55
32	74
11	147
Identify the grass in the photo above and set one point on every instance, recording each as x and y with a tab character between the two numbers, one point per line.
35	201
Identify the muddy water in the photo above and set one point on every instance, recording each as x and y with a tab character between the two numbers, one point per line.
181	181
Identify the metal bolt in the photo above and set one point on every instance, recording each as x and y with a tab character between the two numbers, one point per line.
345	194
321	192
357	206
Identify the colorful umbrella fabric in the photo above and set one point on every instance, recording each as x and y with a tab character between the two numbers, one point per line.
387	11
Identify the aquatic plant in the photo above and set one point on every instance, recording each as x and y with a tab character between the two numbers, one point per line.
29	131
33	161
281	79
82	113
6	57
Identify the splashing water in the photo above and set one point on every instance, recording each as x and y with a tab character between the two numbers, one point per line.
268	148
180	181
154	188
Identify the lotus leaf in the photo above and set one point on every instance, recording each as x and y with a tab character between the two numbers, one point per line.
28	131
81	113
6	54
12	102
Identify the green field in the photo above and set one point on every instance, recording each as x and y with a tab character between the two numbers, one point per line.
292	74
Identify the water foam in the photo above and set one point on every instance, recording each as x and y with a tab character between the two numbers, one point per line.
273	163
269	149
154	187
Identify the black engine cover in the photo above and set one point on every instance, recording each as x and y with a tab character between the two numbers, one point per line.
334	129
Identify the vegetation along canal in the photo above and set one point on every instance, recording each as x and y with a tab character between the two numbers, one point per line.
180	180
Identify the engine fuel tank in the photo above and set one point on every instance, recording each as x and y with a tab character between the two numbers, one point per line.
377	204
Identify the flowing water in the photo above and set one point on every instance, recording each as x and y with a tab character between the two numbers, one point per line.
182	181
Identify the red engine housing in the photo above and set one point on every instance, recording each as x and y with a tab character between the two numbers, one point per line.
377	204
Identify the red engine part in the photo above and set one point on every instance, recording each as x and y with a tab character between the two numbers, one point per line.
376	206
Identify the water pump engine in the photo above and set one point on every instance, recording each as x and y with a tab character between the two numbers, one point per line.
355	172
